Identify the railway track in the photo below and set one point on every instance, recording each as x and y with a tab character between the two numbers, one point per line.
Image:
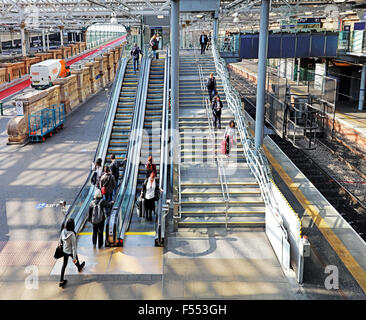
344	186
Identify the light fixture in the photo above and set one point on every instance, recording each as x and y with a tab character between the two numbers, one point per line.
160	17
308	13
199	16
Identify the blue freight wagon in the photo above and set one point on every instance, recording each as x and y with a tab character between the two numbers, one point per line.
46	122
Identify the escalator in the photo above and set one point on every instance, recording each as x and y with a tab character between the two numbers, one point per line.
121	128
140	230
122	123
124	227
113	138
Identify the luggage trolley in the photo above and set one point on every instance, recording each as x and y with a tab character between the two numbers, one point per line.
46	122
59	111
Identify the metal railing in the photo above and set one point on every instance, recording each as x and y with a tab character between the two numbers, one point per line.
255	157
80	205
164	151
219	162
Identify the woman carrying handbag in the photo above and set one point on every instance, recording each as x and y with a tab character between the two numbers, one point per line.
229	137
68	244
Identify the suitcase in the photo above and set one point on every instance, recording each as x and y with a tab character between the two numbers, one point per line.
223	146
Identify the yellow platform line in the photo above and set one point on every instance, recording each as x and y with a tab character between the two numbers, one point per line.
87	233
350	119
346	257
149	233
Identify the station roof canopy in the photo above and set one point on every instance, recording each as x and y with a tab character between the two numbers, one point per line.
78	14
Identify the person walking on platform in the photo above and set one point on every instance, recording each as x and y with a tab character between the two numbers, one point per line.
108	184
68	240
135	53
230	137
216	111
151	193
97	172
203	42
211	86
115	165
97	215
154	43
150	167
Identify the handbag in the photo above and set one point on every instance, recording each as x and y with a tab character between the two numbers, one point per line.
94	178
59	252
157	194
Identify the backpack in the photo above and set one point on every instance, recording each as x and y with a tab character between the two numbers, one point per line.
97	214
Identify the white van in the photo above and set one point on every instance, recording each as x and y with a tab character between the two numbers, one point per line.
42	74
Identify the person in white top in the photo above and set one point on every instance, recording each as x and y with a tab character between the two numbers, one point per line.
98	172
150	190
230	136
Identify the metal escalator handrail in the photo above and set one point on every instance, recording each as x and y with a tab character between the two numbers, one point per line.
85	194
256	158
219	162
127	192
160	225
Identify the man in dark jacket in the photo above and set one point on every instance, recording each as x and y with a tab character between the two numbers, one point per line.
115	165
109	183
154	43
216	110
203	42
135	53
97	219
211	86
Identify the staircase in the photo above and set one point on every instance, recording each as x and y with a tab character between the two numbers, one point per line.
202	201
123	118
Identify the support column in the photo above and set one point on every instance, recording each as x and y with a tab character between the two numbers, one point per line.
62	35
48	41
215	26
261	82
298	71
174	42
43	41
361	99
27	41
22	40
12	37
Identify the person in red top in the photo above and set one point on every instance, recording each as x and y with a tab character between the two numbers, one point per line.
150	167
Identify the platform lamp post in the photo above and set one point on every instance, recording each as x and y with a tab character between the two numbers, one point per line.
361	99
262	58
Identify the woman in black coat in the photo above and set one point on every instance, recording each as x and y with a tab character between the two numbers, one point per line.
216	110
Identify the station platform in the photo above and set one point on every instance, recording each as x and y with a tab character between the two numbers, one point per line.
349	124
196	263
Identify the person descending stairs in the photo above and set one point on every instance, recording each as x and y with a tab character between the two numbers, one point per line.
202	200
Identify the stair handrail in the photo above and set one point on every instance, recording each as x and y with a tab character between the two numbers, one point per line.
220	165
256	159
160	225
